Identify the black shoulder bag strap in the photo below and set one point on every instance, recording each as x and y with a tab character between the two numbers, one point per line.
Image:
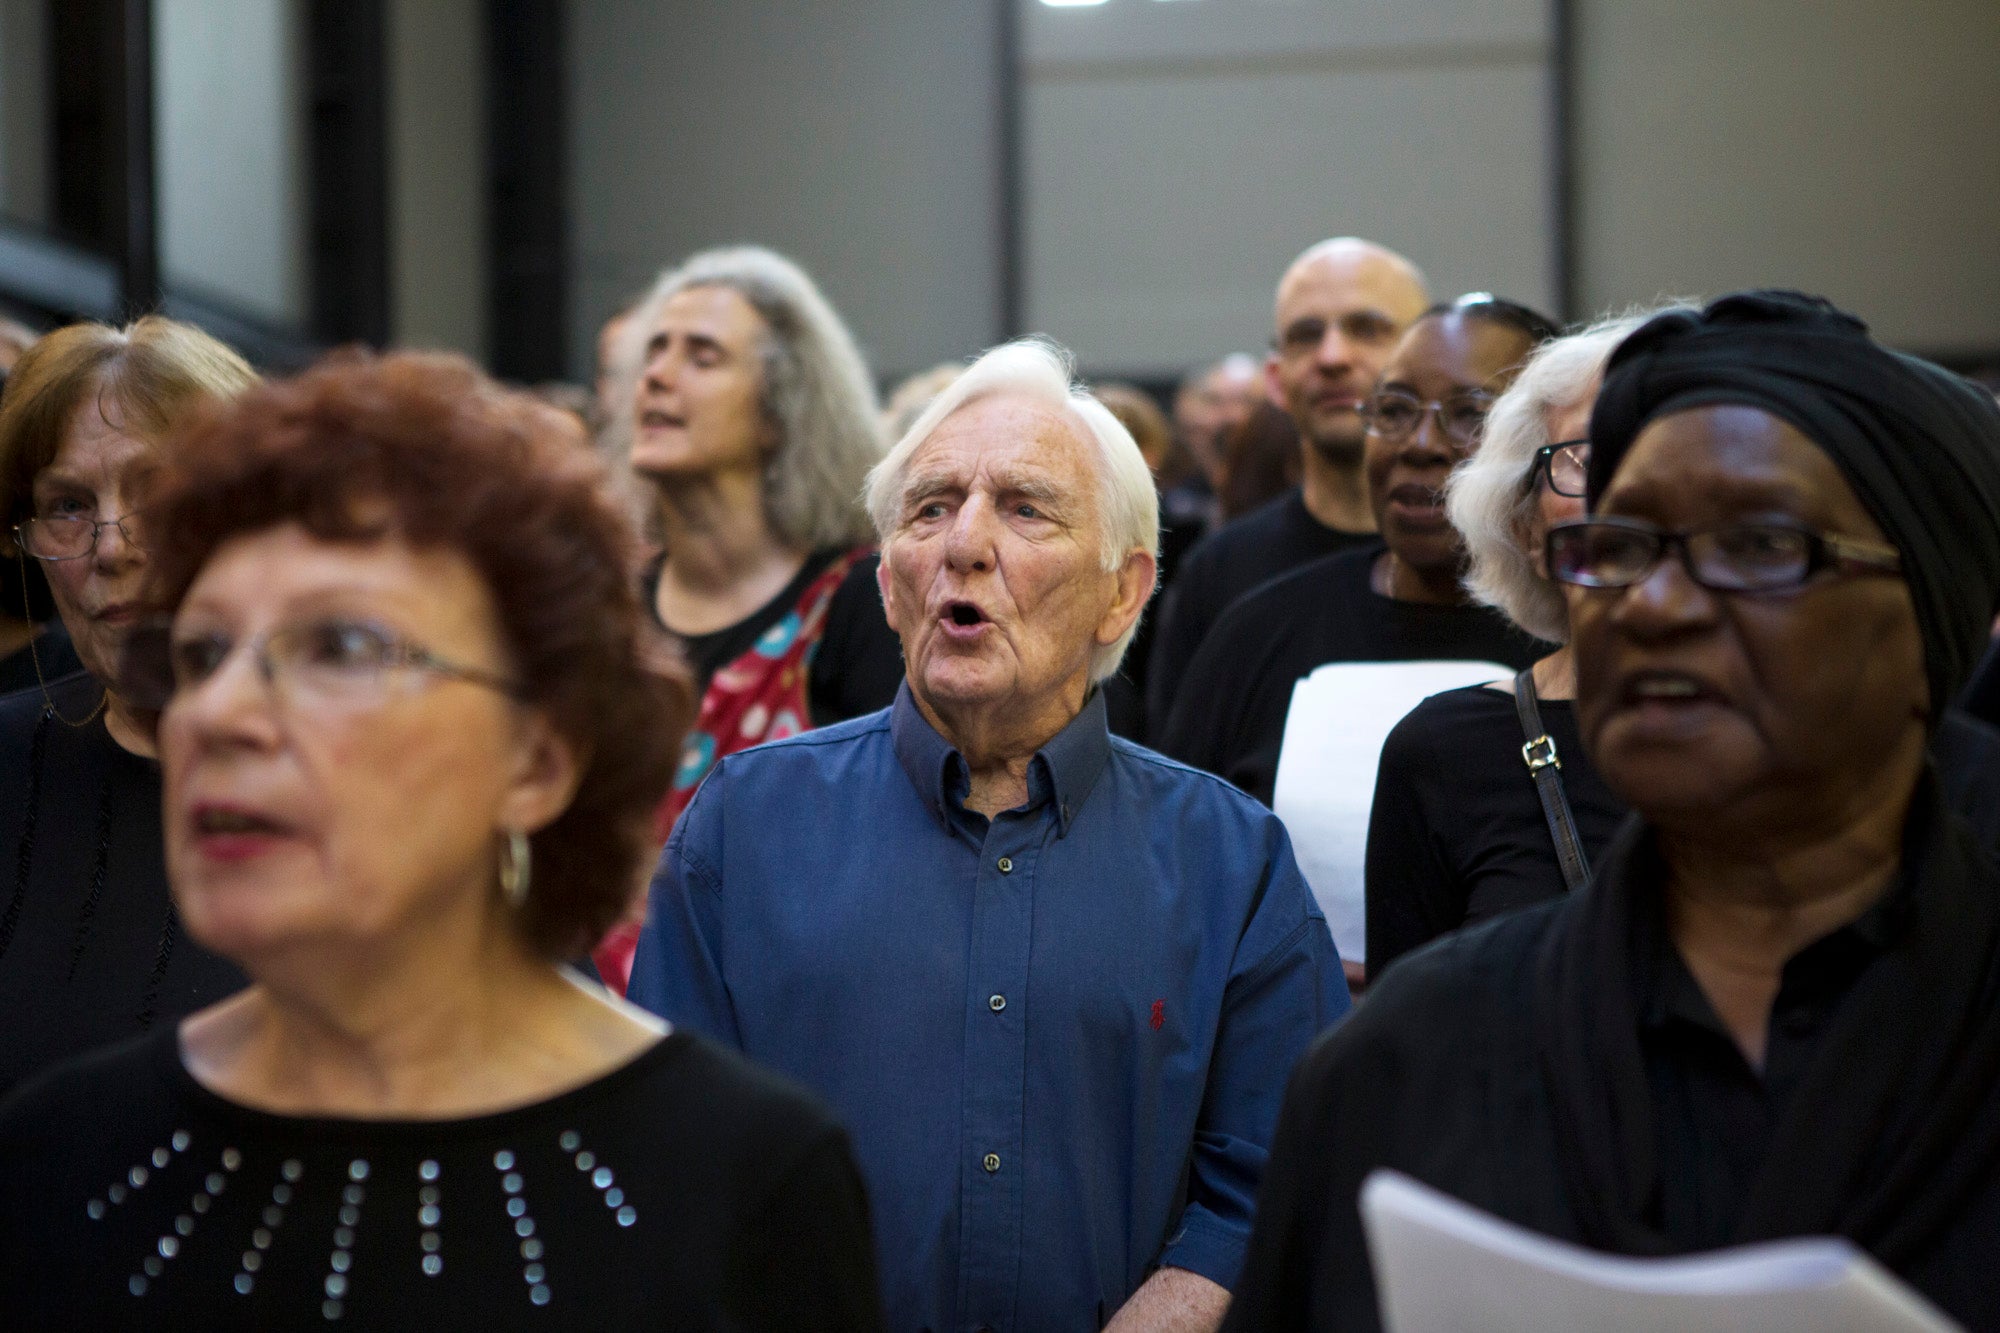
1545	766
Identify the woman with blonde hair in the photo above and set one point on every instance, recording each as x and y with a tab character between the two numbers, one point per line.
90	947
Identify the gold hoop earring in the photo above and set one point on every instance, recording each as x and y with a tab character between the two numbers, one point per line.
516	868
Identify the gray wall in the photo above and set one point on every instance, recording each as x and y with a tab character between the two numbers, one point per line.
437	175
23	123
229	141
1179	155
861	138
1849	147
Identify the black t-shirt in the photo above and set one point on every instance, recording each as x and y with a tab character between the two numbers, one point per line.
91	949
1229	716
860	660
1257	547
686	1190
1457	833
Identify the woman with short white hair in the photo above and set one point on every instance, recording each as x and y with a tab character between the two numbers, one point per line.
751	426
1461	829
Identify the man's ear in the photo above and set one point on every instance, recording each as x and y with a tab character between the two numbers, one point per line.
1274	389
1135	588
547	771
885	586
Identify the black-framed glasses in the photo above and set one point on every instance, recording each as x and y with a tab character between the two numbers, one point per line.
333	661
72	536
1395	415
1741	557
1566	464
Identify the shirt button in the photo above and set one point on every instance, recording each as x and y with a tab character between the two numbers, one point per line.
996	1002
991	1162
1006	865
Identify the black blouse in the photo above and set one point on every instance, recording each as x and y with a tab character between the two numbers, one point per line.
1571	1078
1457	834
685	1190
91	949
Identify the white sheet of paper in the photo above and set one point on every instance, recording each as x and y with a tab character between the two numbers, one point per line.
1334	729
1442	1266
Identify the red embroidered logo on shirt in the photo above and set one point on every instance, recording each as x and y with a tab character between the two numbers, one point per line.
1159	1014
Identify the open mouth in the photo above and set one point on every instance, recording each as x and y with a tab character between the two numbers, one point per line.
1414	502
224	822
653	419
964	615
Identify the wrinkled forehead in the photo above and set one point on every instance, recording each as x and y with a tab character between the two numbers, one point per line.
1011	433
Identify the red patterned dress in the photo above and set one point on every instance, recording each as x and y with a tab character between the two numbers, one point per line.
760	696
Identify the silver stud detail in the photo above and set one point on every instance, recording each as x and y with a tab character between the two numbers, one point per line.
343	1237
570	1140
503	1160
169	1247
292	1169
511	1182
154	1265
244	1284
531	1249
116	1193
340	1262
517	1207
330	1309
357	1169
200	1202
137	1286
428	1215
428	1194
585	1160
137	1175
181	1140
252	1261
231	1159
539	1294
336	1284
261	1238
95	1208
627	1215
534	1273
161	1157
273	1215
353	1194
184	1224
430	1241
433	1265
427	1170
281	1194
613	1197
601	1177
525	1227
216	1182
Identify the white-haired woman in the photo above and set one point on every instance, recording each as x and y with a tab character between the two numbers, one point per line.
1460	830
753	426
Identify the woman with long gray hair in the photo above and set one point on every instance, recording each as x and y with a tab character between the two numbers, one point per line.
752	425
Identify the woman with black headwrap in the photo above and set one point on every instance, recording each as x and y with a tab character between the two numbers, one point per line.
1776	1009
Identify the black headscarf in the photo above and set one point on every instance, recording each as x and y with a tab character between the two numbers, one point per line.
1919	445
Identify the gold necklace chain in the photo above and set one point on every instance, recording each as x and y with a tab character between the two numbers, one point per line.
48	700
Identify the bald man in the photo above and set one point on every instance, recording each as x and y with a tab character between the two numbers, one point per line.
1340	308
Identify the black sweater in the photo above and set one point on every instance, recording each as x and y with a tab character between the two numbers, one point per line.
91	949
685	1190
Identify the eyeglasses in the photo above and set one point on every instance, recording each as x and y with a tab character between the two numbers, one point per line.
318	663
1567	465
1747	557
1394	415
72	536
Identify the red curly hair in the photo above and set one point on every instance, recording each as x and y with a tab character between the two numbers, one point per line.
426	448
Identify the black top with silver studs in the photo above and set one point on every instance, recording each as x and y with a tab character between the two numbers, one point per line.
684	1190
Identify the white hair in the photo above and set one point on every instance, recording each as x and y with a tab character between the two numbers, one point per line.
814	387
1038	369
1488	498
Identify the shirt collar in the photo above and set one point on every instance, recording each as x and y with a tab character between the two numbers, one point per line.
1063	772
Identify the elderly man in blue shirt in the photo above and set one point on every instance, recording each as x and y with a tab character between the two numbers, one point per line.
1053	982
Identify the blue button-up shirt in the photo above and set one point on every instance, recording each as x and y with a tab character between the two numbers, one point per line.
1059	1038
